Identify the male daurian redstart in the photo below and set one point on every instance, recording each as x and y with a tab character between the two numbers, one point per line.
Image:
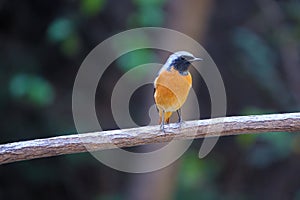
172	85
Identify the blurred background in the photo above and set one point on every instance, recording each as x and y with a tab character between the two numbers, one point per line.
255	44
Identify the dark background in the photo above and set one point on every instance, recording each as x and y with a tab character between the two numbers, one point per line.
255	44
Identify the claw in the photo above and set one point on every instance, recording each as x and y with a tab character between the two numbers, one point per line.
167	128
162	127
180	123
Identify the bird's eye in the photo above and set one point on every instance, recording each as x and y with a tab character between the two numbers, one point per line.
181	58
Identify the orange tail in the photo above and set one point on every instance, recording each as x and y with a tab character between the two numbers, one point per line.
166	117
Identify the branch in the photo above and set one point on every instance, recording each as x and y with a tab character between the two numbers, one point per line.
39	148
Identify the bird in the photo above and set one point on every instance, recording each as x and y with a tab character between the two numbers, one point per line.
172	86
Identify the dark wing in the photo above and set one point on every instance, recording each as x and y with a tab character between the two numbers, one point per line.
154	90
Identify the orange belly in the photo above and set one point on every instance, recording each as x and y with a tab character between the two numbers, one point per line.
171	90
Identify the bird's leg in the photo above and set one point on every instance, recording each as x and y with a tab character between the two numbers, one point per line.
162	125
179	115
178	125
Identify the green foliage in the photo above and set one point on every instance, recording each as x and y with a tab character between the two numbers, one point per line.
136	58
271	148
71	45
292	9
147	16
259	60
32	89
297	195
62	31
133	41
197	177
264	149
251	110
36	173
149	3
91	7
289	32
256	49
195	170
246	140
148	13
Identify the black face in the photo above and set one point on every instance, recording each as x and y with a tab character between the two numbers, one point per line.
181	63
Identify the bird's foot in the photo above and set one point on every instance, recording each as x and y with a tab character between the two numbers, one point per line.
167	128
178	124
162	128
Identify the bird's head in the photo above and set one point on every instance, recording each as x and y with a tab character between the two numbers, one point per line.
181	61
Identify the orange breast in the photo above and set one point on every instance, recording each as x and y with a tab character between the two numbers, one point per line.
172	90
